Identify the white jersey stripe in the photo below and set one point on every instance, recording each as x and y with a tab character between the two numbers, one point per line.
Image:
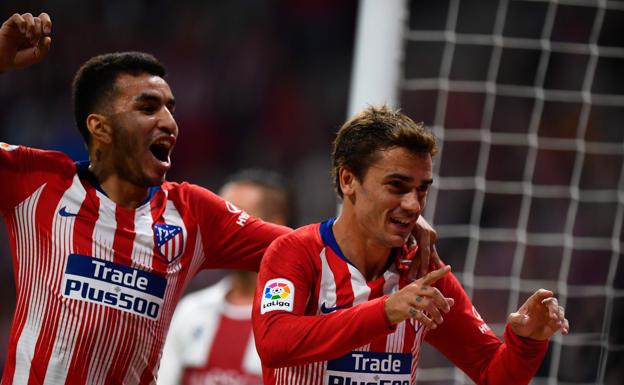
327	290
361	291
136	367
143	258
134	338
113	332
104	230
25	216
143	249
64	228
97	352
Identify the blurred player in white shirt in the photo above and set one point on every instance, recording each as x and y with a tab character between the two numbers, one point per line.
210	340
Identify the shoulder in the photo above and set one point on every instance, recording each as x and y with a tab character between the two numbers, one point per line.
304	237
193	198
195	195
35	157
185	189
298	249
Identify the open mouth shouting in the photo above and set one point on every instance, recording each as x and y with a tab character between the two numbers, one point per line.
161	149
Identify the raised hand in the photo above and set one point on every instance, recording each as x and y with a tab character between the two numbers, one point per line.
424	236
539	317
24	40
420	301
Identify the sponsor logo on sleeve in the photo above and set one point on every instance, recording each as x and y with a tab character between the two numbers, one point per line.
483	328
113	285
7	147
242	215
370	368
279	294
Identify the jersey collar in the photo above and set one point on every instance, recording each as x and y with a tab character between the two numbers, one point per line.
327	235
82	167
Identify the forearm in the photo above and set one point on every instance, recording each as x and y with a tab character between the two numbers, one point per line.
470	344
515	362
285	339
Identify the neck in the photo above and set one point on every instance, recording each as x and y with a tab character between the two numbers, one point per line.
367	256
120	191
123	193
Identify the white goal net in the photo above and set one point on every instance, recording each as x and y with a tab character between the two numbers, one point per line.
526	98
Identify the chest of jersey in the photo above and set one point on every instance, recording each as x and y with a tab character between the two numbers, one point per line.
102	253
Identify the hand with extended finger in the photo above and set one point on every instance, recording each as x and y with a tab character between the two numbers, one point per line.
424	236
24	40
420	301
539	317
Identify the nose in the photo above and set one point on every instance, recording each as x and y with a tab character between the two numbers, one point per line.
411	202
167	122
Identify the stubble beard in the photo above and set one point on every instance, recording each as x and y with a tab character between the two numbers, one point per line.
126	149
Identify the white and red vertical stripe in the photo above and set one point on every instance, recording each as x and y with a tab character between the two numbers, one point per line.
56	340
341	284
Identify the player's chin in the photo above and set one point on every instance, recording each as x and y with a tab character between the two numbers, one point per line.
398	235
154	178
396	239
157	181
156	174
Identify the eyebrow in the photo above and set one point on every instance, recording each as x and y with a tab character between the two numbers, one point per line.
406	178
146	97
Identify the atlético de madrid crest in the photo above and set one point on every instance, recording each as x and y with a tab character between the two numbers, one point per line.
169	240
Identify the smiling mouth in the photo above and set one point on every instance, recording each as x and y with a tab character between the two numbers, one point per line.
402	223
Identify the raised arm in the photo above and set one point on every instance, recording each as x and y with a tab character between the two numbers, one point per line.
467	340
24	40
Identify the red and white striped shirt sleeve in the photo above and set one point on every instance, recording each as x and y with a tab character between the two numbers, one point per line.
17	162
294	338
470	344
231	238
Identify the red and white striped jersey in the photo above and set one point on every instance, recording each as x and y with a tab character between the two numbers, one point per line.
318	321
97	283
210	341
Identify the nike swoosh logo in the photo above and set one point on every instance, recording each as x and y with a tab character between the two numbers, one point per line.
327	310
64	213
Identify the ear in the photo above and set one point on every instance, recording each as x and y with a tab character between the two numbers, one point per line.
347	181
99	128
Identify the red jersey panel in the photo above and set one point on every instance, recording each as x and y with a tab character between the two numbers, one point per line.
97	283
318	321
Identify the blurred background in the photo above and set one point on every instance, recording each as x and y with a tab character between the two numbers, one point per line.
526	97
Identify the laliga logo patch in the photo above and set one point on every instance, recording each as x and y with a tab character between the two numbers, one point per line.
169	239
7	147
279	294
